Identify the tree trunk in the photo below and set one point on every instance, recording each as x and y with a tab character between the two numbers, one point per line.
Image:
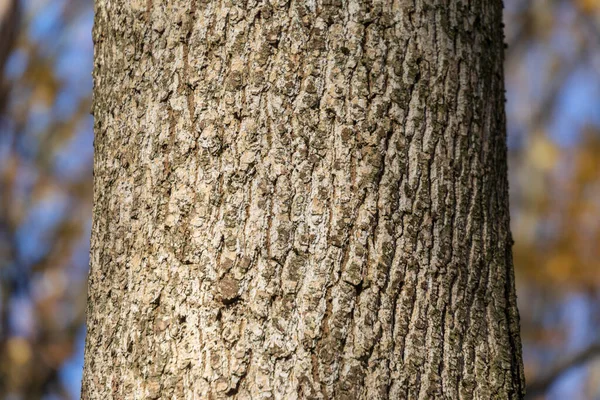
300	200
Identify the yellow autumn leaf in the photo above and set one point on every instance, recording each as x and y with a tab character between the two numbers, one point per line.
543	154
19	350
588	6
561	267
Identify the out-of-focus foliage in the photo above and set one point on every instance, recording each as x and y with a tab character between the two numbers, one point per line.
553	79
553	90
45	198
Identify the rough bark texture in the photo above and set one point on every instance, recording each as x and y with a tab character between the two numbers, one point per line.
301	200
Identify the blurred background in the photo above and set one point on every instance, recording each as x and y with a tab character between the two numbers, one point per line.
553	90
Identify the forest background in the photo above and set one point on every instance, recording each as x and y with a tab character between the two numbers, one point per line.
552	74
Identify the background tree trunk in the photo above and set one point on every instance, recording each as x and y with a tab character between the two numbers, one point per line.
10	15
301	200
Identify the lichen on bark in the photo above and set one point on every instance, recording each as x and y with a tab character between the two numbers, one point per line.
300	200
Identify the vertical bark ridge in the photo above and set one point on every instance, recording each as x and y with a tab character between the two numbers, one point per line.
300	200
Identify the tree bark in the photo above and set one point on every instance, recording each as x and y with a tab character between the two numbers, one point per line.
301	200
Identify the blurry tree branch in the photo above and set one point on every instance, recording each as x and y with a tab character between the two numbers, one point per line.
543	383
9	18
9	23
